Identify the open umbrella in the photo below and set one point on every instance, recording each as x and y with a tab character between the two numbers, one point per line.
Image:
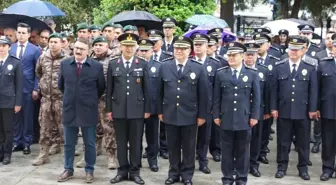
11	21
204	30
34	8
137	18
202	19
288	24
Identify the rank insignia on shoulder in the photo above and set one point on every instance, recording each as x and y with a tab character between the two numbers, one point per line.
280	62
168	53
225	67
309	62
193	60
213	58
262	65
170	58
252	68
328	58
275	48
276	58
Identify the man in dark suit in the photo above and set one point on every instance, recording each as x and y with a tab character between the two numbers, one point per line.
329	45
11	90
82	83
169	28
28	54
128	104
236	111
293	103
182	105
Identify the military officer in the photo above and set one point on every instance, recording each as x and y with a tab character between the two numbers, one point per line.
210	66
128	103
212	48
236	111
307	31
274	49
293	103
11	91
268	60
250	60
182	105
326	75
169	28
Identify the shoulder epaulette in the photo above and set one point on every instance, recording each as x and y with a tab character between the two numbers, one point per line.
14	57
193	60
327	58
170	58
213	58
309	62
280	62
219	69
315	45
168	53
275	48
252	68
262	65
157	61
141	58
276	58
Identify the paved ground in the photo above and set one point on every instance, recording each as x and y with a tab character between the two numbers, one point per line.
21	172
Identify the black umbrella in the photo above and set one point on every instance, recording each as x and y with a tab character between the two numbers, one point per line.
12	20
137	18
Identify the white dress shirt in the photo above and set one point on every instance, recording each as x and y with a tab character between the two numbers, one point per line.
170	43
4	59
130	62
19	49
291	65
178	67
263	59
158	55
238	71
200	60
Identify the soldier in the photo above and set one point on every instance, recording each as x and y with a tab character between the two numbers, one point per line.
293	103
108	32
128	103
47	69
210	66
169	29
183	107
95	31
307	31
11	91
211	51
130	29
273	49
103	54
118	30
250	60
65	43
236	111
83	30
326	74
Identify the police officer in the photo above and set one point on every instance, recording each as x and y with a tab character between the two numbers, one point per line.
151	123
11	91
250	60
236	111
182	105
221	47
212	48
326	74
293	103
274	49
169	28
307	31
128	103
210	66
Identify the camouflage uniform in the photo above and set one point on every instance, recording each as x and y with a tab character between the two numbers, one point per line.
47	70
115	47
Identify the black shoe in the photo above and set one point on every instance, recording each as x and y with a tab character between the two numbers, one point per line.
263	160
170	180
154	168
6	160
205	170
217	158
310	163
255	172
280	174
272	131
1	158
17	148
325	177
118	179
164	155
144	155
316	148
270	138
26	150
137	179
304	176
187	182
267	150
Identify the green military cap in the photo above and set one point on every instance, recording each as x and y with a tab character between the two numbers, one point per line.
55	35
129	39
94	27
130	28
82	26
108	24
99	39
118	26
145	44
182	42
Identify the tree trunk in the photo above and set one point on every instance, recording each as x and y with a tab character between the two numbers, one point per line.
296	9
284	7
226	12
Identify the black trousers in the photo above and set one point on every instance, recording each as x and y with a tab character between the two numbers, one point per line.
317	132
235	155
266	131
255	144
163	138
328	130
181	137
152	138
285	128
203	140
6	131
215	145
129	131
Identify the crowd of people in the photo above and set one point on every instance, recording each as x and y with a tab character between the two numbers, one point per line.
189	96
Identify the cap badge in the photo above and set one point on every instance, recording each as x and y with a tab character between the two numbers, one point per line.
129	37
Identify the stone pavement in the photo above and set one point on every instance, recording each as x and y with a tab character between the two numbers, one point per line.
21	172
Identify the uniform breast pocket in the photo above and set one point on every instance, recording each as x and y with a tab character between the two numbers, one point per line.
192	85
116	74
225	87
10	77
153	75
326	74
247	87
137	73
304	78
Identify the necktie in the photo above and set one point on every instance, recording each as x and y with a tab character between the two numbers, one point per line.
1	62
21	51
155	57
234	76
179	72
294	70
79	68
168	46
127	66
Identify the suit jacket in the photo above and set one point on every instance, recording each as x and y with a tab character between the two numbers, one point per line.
81	94
264	77
322	54
164	55
182	99
313	50
153	68
28	61
11	83
127	95
294	96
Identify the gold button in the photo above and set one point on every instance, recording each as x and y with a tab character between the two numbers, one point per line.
179	81
292	99
177	96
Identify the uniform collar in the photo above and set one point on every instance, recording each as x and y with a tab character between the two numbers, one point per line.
238	69
124	60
